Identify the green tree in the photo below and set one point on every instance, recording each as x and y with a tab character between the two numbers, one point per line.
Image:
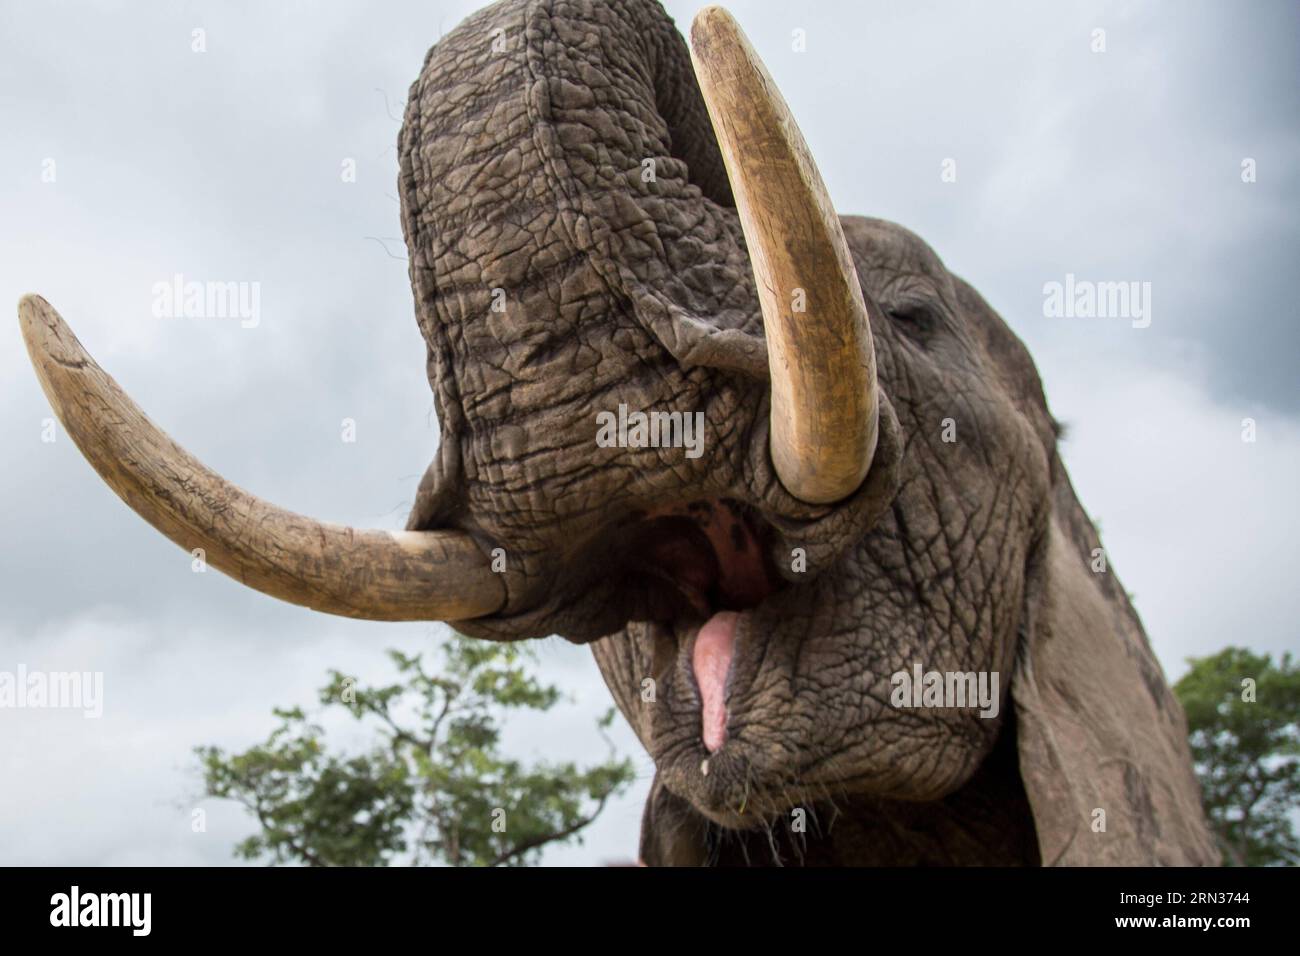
1243	717
434	790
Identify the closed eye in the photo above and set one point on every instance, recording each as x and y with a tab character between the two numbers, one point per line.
915	320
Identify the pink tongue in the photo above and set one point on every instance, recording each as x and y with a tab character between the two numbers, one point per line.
712	660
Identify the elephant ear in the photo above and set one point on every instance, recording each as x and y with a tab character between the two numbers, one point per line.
1102	740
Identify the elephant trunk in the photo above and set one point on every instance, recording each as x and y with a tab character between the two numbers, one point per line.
577	248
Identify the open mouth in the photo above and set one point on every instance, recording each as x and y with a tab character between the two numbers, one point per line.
712	558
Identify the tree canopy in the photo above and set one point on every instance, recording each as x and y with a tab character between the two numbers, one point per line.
1243	719
435	788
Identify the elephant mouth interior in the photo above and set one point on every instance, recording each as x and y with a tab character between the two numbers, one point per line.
710	559
710	554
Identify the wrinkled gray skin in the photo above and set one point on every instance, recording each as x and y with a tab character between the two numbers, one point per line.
521	172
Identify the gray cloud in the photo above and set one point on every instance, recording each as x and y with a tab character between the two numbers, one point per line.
1117	165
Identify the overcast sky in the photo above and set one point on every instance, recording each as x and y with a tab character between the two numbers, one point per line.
225	165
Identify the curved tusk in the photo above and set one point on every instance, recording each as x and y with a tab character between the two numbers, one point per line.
377	575
823	368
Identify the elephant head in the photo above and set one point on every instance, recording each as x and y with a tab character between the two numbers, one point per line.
845	476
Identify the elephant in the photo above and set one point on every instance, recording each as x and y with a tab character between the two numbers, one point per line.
612	232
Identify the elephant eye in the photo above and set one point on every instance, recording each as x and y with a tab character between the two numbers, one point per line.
914	319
